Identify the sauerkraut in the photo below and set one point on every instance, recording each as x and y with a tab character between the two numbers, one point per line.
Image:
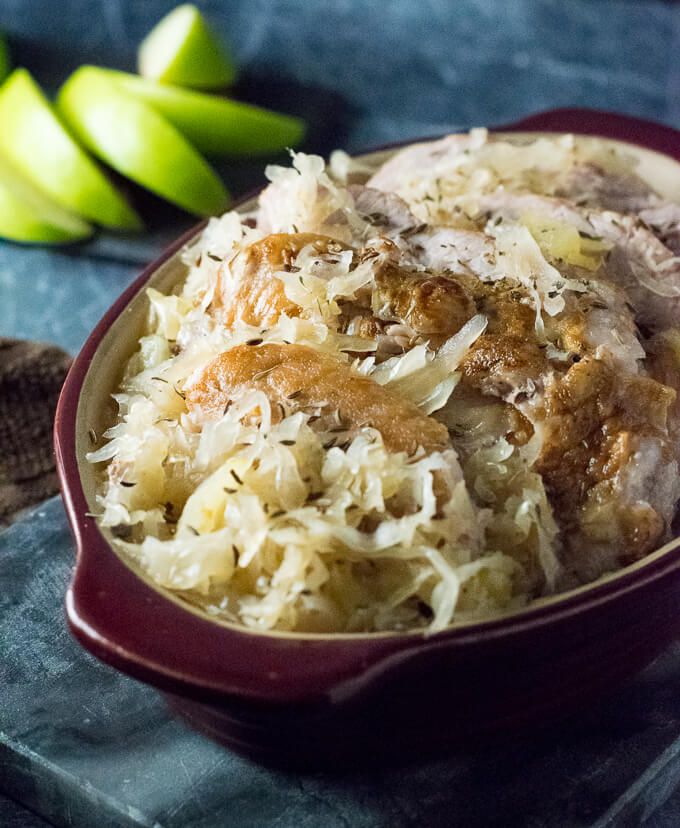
275	517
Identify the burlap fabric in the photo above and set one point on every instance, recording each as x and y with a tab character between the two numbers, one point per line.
31	376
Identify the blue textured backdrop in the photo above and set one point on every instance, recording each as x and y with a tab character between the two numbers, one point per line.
364	73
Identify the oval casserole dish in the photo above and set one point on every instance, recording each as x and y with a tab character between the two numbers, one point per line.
310	699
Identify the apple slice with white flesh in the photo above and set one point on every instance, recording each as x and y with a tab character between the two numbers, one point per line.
181	49
215	125
27	215
38	145
139	143
4	58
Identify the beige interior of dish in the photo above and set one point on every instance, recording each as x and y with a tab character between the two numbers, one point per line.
96	410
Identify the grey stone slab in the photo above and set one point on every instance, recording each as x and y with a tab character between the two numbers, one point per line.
82	744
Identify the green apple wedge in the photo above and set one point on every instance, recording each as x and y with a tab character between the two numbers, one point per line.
27	215
35	141
4	58
181	49
138	142
215	125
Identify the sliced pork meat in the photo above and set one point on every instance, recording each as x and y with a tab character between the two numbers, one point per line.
417	158
598	316
248	289
383	210
451	250
432	306
508	360
663	363
664	219
591	185
584	181
597	320
300	377
609	465
636	259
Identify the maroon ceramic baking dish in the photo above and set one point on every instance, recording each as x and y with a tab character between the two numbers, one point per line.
313	699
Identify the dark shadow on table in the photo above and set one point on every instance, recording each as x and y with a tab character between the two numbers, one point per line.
570	773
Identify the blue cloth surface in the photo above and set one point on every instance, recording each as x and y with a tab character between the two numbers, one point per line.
86	746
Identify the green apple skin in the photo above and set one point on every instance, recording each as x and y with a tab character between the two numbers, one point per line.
39	146
4	59
139	143
216	125
29	216
182	50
